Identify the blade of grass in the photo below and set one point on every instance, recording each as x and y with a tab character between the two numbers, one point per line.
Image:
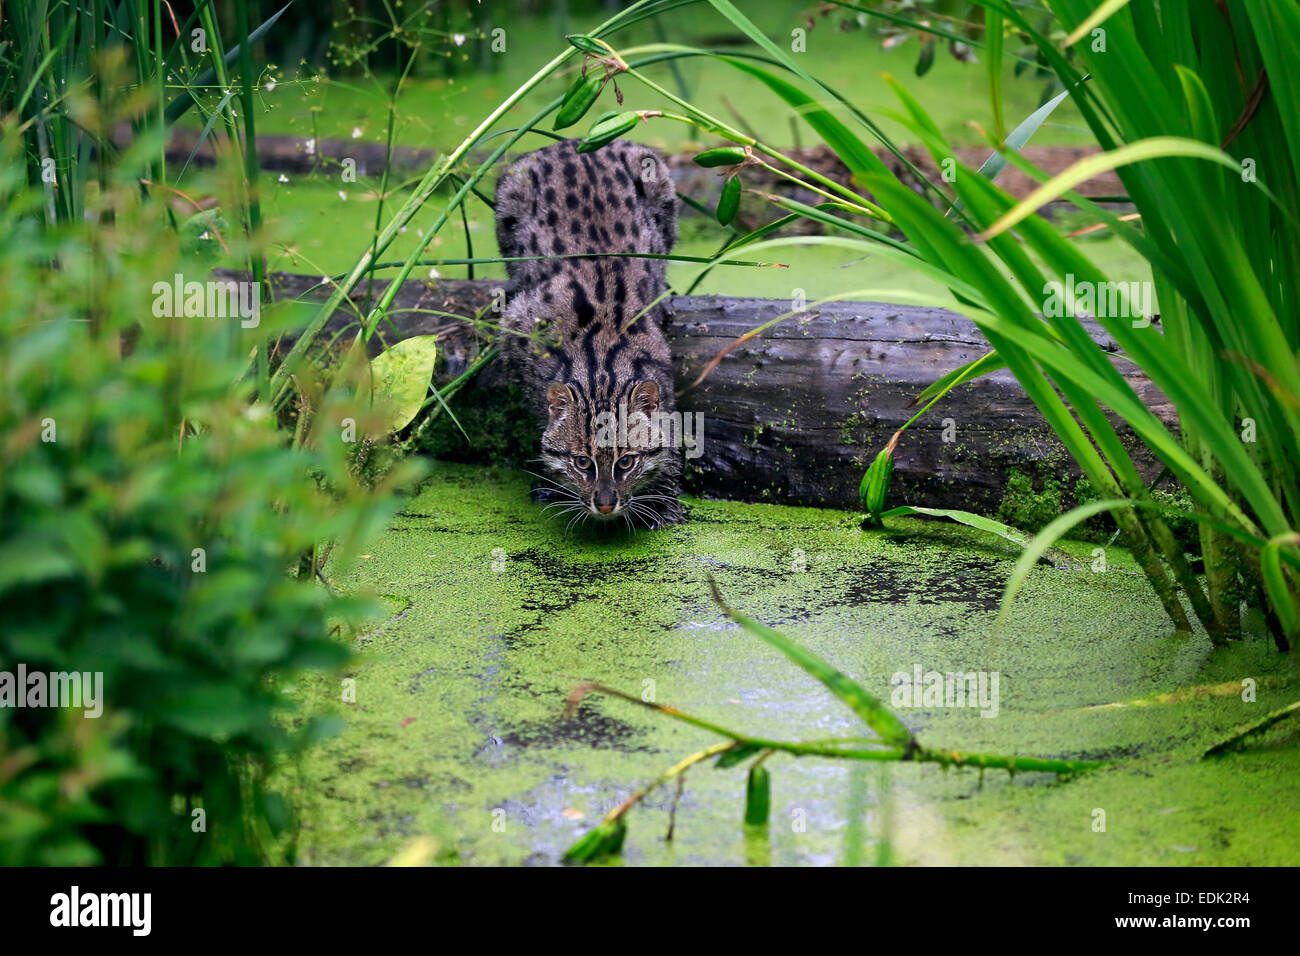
873	713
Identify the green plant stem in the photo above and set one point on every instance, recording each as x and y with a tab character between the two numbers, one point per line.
713	124
383	184
493	260
920	754
252	170
675	770
871	210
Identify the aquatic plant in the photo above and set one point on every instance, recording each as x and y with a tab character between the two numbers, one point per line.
1169	119
893	742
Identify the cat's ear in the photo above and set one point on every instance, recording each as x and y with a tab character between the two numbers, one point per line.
645	398
561	398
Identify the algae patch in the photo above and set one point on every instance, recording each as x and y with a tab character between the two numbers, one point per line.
457	730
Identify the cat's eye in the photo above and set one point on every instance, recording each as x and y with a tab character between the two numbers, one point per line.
626	462
581	462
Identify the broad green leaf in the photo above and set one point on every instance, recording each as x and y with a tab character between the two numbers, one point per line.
211	710
401	376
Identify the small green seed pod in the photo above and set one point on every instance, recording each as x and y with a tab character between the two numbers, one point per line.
729	201
606	129
723	156
582	94
586	44
926	59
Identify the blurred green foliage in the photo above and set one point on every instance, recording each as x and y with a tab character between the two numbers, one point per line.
152	517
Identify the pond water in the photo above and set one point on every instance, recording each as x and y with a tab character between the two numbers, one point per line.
457	740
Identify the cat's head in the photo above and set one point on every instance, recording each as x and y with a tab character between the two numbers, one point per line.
607	458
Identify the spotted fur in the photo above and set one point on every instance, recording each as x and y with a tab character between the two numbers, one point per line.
574	332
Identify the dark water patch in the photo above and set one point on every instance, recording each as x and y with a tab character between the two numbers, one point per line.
444	529
587	727
947	537
562	585
959	579
729	519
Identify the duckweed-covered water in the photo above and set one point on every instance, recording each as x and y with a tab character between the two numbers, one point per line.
457	742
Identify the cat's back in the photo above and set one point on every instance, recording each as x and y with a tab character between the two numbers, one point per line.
556	201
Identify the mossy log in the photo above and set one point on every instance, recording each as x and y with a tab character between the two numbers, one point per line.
794	415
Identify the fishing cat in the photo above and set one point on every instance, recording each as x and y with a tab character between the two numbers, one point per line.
585	336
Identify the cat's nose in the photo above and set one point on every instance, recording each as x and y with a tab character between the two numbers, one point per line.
605	501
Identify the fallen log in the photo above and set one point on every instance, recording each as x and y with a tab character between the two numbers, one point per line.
794	415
